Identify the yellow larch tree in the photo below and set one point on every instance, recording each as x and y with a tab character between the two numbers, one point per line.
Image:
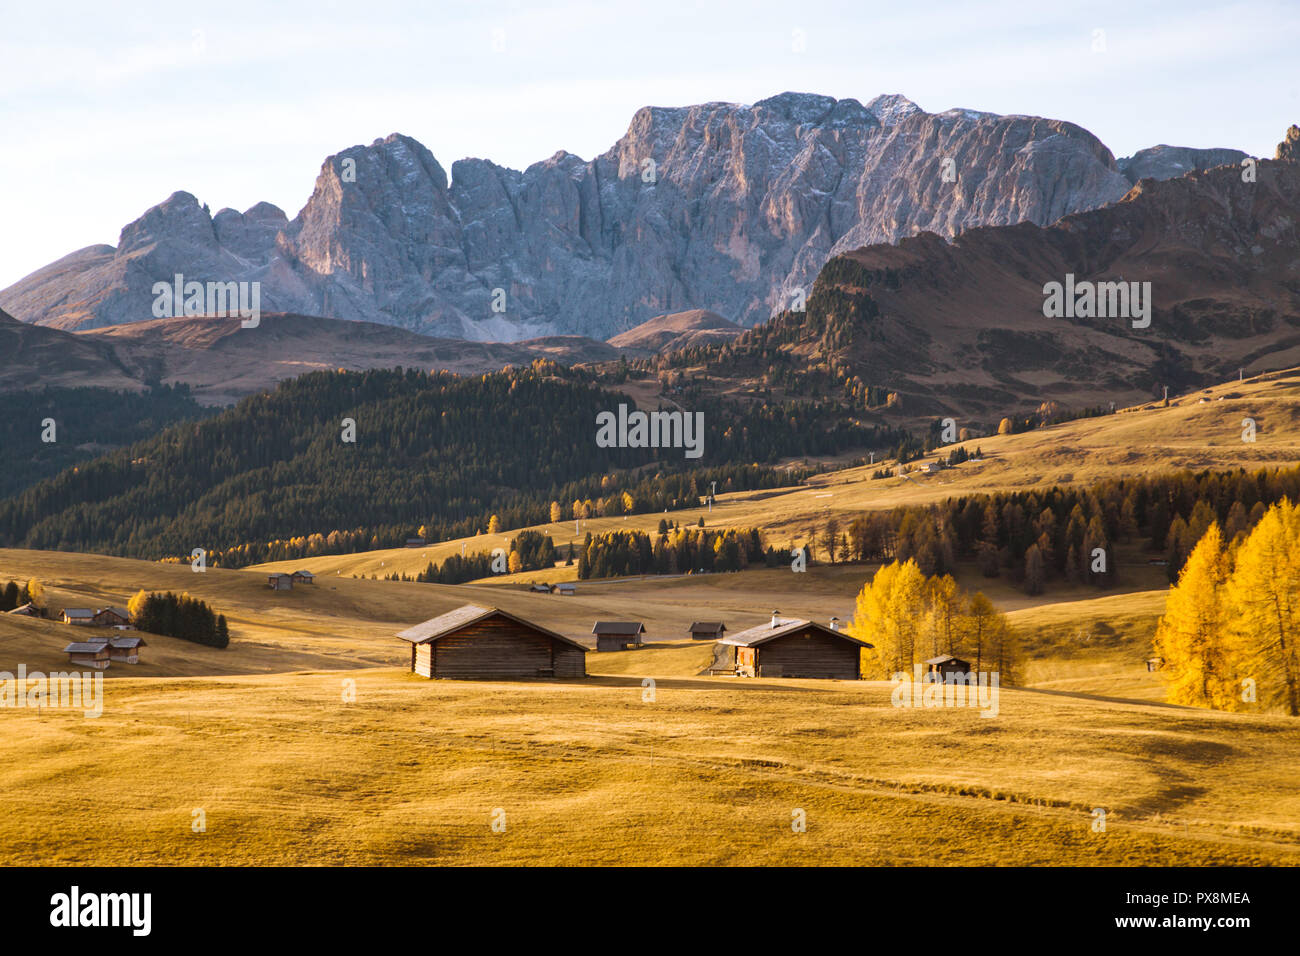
1263	610
1191	635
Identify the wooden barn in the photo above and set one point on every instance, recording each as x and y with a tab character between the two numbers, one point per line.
946	664
78	615
566	589
486	643
792	647
303	577
95	654
707	630
618	635
26	610
125	649
113	617
279	582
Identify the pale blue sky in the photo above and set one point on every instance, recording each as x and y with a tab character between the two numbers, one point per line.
106	109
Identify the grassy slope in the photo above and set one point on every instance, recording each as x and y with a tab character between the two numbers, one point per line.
259	738
1187	434
588	772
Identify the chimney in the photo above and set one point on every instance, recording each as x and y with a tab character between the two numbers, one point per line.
835	624
776	619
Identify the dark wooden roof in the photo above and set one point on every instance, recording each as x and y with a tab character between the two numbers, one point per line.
444	624
619	627
712	627
945	658
785	625
86	647
78	612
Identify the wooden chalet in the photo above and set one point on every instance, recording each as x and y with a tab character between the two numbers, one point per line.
946	664
618	635
279	582
93	654
125	649
793	647
83	616
303	577
415	542
486	643
113	617
707	630
26	610
539	588
567	589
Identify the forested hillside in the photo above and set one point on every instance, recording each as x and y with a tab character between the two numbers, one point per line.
433	450
86	423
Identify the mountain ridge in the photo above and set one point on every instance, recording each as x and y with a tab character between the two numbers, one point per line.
725	207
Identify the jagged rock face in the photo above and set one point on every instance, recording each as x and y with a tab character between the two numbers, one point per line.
721	207
959	327
1170	162
1289	148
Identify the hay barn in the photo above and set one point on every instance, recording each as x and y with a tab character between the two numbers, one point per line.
486	643
793	647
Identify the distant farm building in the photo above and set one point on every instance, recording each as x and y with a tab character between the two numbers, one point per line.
1155	663
618	635
932	468
567	589
707	630
94	654
946	664
26	610
487	643
279	582
303	577
125	649
78	615
792	647
113	617
415	542
540	588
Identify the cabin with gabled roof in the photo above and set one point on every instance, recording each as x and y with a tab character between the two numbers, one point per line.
946	664
707	630
82	616
487	643
125	649
618	635
113	617
793	647
93	654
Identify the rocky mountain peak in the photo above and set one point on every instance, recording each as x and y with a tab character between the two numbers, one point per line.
718	206
893	108
1289	148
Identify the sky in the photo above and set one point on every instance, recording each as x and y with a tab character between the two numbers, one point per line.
107	109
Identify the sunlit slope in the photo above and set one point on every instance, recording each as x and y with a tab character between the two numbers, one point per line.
708	771
1203	430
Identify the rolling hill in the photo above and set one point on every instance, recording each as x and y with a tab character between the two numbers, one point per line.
960	328
222	362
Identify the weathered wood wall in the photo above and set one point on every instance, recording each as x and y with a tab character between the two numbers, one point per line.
809	653
498	649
